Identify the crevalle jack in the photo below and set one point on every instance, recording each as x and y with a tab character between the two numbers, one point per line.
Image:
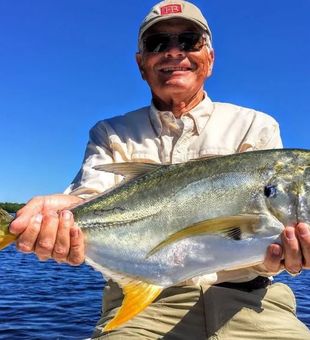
165	224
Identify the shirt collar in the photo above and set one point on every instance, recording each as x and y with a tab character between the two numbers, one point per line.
199	114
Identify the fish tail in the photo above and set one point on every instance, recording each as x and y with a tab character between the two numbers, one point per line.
6	238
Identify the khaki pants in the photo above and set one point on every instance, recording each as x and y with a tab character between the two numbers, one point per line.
195	312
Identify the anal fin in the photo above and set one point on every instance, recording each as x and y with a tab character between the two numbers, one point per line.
137	296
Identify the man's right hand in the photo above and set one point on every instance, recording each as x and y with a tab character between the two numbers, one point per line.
45	228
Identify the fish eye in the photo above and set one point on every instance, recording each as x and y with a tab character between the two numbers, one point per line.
270	191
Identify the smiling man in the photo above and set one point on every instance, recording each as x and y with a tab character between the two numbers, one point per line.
175	75
175	58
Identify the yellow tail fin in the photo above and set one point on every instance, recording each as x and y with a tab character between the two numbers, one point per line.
6	238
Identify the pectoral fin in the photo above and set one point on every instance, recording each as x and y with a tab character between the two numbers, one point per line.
225	226
137	296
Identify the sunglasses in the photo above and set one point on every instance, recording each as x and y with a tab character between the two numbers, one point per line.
185	41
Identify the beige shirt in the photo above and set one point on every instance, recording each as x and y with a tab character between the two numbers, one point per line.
149	135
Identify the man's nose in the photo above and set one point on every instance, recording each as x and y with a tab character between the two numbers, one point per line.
174	51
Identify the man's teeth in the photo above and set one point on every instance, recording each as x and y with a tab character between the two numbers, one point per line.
171	69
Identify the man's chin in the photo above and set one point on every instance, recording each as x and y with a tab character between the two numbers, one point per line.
177	82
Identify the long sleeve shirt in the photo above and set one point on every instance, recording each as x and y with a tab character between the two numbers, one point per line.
150	135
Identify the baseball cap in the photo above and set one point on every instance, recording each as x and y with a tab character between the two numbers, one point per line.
169	9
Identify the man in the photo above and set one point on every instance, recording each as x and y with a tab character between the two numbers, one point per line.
175	58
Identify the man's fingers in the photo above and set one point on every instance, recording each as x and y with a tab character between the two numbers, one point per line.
303	234
62	244
24	215
35	204
76	254
47	236
41	204
40	229
292	251
27	240
273	257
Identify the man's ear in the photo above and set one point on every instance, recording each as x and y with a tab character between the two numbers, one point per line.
139	61
211	57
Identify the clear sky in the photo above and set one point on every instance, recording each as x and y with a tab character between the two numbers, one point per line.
65	64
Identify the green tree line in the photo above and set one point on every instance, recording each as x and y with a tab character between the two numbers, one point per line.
11	207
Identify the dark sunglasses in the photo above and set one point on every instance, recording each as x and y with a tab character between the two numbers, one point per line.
185	41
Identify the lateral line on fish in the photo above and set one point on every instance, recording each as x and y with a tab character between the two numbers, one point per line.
118	223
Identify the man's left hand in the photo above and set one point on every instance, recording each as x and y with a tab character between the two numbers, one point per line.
294	254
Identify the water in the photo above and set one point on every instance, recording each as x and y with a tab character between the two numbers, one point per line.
45	300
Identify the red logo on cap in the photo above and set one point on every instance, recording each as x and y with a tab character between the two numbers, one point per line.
170	9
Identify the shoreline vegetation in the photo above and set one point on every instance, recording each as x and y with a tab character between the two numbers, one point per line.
11	207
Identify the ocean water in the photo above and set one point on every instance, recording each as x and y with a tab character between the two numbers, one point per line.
45	300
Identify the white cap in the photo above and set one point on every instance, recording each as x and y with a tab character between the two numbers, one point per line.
166	10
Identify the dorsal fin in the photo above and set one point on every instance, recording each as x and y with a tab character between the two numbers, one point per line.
129	170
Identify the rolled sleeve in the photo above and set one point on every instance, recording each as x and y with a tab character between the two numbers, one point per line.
89	182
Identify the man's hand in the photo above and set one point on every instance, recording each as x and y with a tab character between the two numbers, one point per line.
294	254
42	229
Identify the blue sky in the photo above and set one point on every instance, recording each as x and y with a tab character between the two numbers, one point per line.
65	64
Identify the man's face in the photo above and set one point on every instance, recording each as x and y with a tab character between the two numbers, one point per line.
173	71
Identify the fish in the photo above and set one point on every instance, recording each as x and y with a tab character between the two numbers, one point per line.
167	223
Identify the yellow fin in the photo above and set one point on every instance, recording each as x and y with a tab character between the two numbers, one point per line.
6	238
221	225
137	296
